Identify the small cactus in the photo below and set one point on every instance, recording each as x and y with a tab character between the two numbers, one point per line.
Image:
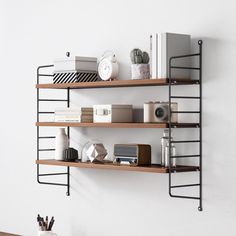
139	57
145	58
136	56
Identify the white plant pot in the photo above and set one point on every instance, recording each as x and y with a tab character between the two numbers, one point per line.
46	233
62	143
140	71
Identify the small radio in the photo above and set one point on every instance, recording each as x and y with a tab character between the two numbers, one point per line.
132	154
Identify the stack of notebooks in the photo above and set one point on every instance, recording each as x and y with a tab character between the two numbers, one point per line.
83	115
86	115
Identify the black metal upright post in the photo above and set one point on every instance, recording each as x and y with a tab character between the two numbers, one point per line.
68	134
200	128
49	137
170	125
38	126
199	125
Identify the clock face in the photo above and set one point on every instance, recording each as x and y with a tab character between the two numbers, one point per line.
105	69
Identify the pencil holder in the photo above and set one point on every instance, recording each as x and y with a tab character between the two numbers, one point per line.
46	233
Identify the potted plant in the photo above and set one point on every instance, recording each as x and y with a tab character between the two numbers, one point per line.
140	68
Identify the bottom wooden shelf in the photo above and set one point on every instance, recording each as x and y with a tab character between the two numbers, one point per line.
154	168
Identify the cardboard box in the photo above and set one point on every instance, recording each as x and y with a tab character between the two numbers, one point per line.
112	113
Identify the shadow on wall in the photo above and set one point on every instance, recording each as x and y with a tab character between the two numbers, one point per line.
211	58
124	71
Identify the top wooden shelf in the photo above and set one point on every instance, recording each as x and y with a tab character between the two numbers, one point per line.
118	83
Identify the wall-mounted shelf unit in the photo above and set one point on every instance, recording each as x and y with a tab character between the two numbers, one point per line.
126	83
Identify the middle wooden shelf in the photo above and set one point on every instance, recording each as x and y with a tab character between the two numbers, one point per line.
118	125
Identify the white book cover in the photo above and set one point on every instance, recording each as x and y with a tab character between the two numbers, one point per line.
176	45
162	56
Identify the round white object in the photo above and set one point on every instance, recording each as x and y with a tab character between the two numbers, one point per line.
46	233
108	68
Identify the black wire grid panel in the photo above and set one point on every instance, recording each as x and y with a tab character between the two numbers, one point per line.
39	175
171	170
199	98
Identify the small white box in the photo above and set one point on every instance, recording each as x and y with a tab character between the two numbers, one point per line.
112	113
75	64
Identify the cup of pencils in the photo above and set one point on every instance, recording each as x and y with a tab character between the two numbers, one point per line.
45	226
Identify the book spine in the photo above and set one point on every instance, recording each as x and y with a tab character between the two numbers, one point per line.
86	109
164	55
153	55
150	53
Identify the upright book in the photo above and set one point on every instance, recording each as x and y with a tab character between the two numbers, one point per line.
163	46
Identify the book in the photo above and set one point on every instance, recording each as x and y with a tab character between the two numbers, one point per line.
83	114
74	111
163	46
66	119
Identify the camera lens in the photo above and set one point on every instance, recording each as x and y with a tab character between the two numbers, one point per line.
159	112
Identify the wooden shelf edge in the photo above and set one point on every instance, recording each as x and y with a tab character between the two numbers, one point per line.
8	234
117	83
104	125
154	168
117	125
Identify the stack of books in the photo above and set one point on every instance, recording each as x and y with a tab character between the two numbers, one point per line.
163	46
83	115
86	115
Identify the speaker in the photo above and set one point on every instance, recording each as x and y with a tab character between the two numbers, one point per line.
136	154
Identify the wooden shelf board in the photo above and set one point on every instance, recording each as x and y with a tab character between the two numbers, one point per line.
117	125
118	83
8	234
154	168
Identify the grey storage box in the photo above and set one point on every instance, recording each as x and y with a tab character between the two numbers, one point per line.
76	64
112	113
75	70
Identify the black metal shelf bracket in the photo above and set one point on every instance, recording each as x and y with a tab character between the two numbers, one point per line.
199	141
39	150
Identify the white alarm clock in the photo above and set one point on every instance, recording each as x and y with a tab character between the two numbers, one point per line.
108	67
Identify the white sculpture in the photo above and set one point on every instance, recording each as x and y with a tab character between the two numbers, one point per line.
96	152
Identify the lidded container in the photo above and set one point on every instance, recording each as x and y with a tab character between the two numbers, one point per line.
75	64
113	113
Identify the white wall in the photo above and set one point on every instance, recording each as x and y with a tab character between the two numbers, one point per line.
105	203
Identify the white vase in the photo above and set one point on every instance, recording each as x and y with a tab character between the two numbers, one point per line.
62	143
140	71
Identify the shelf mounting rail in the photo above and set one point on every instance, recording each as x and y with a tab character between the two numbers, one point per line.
39	137
199	141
